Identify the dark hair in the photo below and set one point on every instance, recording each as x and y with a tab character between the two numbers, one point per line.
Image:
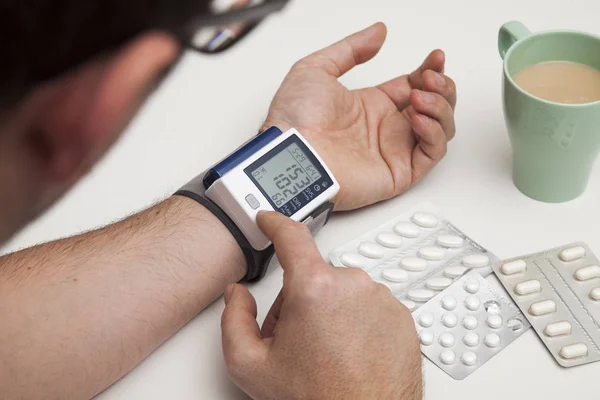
42	39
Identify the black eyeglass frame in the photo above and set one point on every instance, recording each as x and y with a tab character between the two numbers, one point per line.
252	16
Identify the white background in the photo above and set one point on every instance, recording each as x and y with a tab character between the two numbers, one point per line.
208	106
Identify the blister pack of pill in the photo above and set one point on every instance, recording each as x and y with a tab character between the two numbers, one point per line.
558	290
417	255
467	324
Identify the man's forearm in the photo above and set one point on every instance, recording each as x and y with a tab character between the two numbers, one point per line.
79	313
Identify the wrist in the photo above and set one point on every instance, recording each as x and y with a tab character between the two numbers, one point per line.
205	228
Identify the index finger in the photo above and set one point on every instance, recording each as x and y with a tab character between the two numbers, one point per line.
294	244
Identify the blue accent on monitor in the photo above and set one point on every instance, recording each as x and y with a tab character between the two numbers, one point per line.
241	155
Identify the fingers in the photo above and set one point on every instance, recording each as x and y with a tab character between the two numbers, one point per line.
435	106
429	77
435	61
344	55
268	328
242	343
294	245
432	146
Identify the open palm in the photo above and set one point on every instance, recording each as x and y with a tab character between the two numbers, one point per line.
377	141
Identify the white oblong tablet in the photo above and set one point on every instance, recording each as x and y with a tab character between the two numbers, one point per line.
513	267
587	273
407	230
447	339
476	261
409	304
469	358
450	241
573	351
471	339
421	295
472	303
447	357
470	322
432	253
542	308
455	272
389	240
413	264
353	260
438	284
449	303
595	294
425	220
426	320
472	286
572	253
528	287
492	340
371	250
426	338
494	321
395	275
558	329
449	320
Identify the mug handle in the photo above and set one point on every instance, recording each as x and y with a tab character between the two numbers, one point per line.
509	34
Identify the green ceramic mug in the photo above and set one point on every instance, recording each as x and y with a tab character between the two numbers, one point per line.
554	145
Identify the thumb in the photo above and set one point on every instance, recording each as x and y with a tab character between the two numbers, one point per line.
243	347
346	54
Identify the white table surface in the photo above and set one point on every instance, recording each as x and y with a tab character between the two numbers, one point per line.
210	105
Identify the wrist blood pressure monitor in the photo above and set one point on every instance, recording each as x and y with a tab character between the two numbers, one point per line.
275	171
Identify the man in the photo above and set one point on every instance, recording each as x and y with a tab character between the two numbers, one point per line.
79	313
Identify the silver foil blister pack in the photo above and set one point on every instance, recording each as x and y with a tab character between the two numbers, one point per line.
417	255
467	324
558	290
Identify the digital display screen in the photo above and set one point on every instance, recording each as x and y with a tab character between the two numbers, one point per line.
289	176
286	175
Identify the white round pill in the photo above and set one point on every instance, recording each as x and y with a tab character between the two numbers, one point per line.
449	320
353	260
395	275
476	261
432	253
455	272
492	340
472	286
409	304
471	339
469	358
438	283
449	303
472	303
447	339
426	220
426	338
595	294
371	250
426	320
413	264
470	322
494	321
421	295
450	241
389	240
407	230
447	357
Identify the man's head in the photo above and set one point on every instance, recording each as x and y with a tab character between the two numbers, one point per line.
72	75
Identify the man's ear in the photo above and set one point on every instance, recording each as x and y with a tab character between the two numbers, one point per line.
80	115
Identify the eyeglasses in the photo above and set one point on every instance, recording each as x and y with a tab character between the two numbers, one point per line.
230	22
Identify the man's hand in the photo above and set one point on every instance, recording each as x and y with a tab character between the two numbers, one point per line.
378	141
332	333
